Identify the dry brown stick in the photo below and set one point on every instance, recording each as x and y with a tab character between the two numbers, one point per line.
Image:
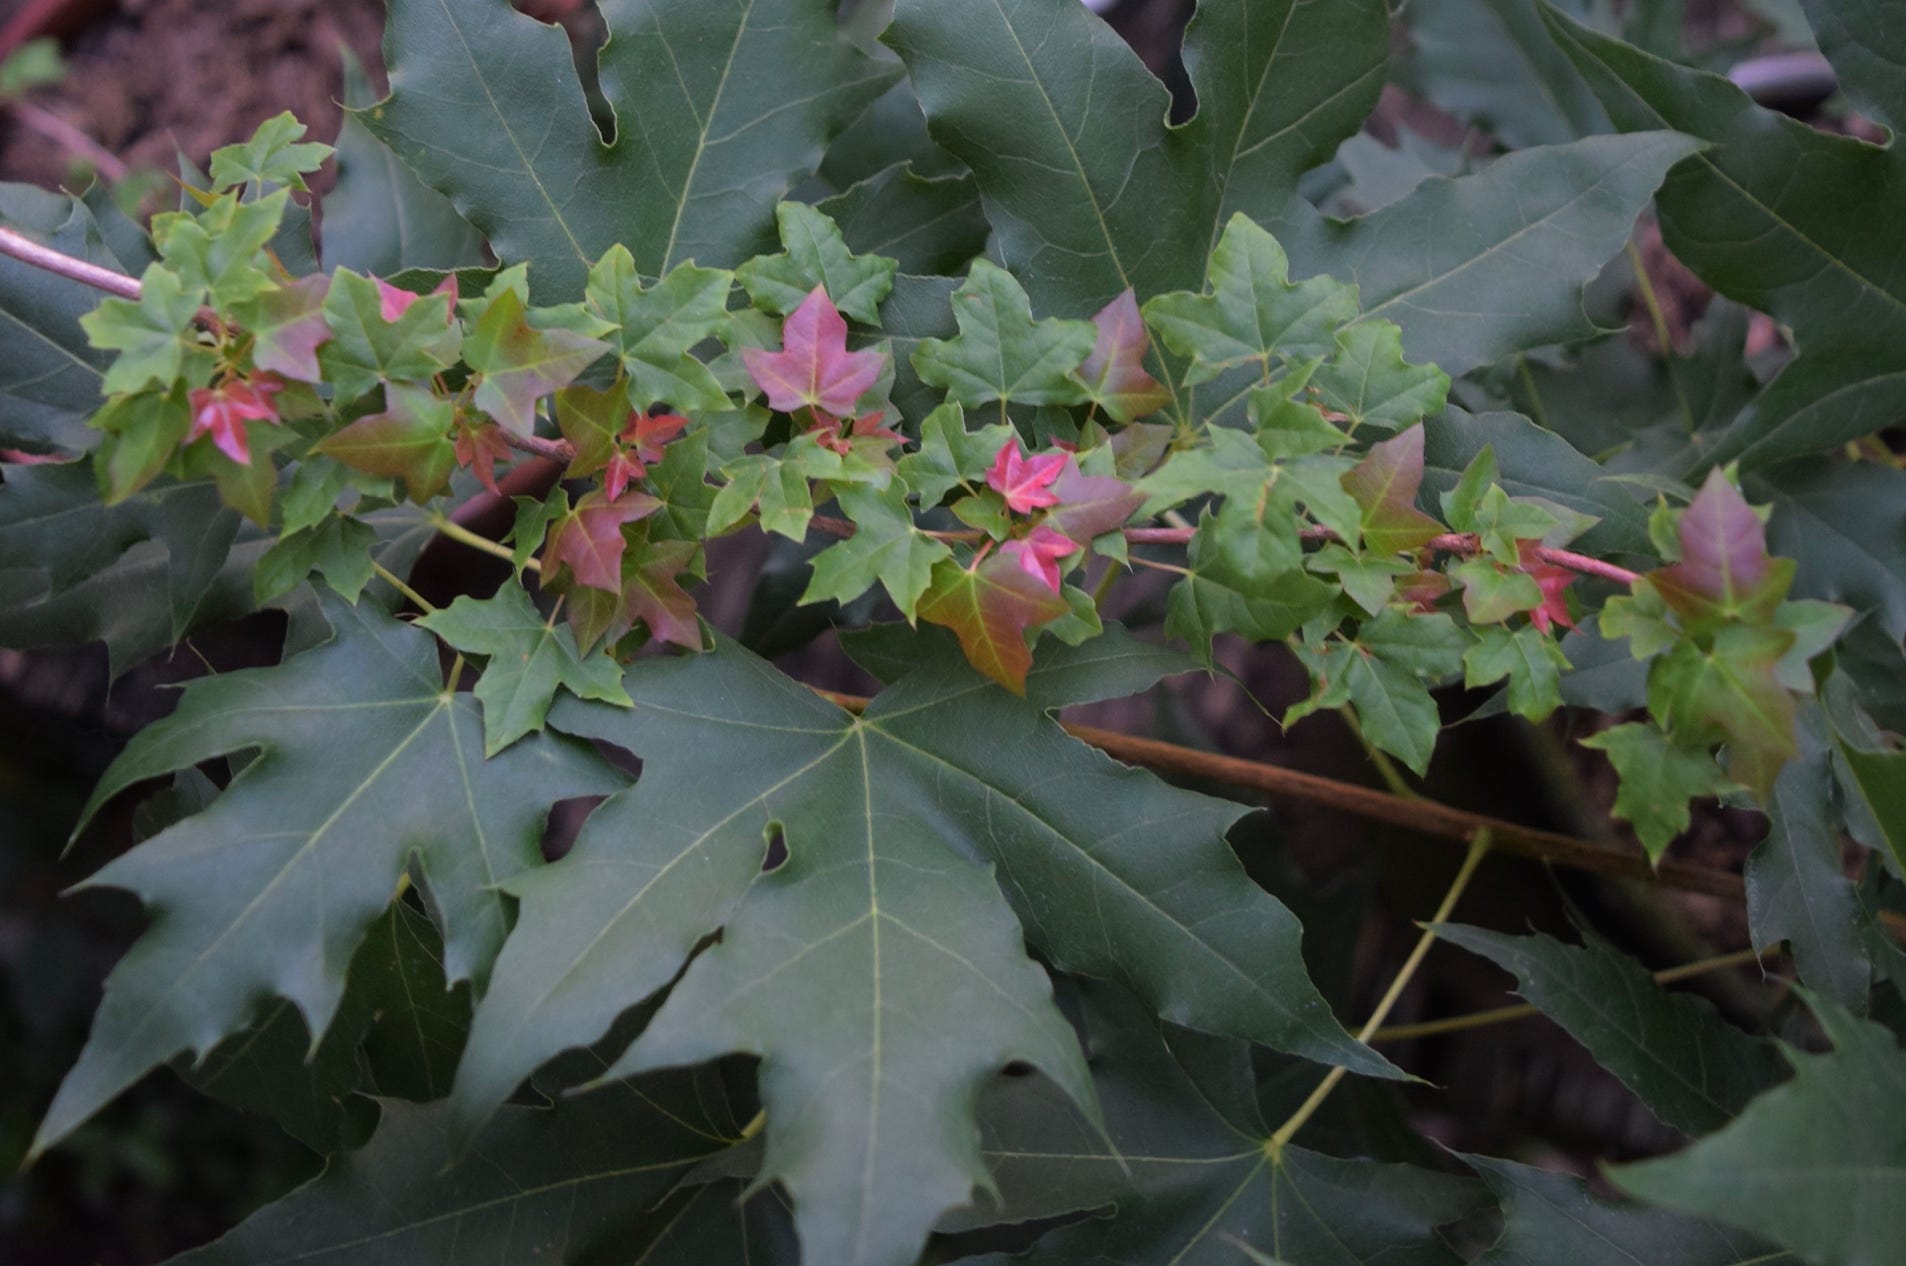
1426	817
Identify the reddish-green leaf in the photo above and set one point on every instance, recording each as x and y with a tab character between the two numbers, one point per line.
990	607
590	542
1091	505
521	364
814	368
287	327
1114	374
1384	484
652	594
1730	692
411	438
1725	570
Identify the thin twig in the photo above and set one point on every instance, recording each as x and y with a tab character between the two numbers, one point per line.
556	450
396	582
28	251
1478	849
464	536
1503	1015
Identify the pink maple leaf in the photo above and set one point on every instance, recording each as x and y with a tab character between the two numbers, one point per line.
1553	581
222	412
394	301
814	367
1039	552
1025	482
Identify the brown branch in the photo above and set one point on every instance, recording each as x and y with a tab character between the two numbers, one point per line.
556	450
1426	817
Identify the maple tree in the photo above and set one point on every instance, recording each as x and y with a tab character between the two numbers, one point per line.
1017	371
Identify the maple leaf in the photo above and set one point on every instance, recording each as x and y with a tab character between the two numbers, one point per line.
479	447
864	431
1091	505
989	606
590	541
1384	485
287	326
652	594
1025	482
520	363
1725	570
1554	583
221	412
1114	373
530	659
394	301
1039	552
814	367
647	434
410	438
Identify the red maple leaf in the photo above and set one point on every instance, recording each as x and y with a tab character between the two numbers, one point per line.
1553	581
1039	552
1025	482
480	447
589	540
814	368
221	412
394	301
653	594
648	435
864	431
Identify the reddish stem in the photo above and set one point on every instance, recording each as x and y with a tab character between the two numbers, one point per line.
28	251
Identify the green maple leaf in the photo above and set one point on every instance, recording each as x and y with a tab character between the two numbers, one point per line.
1658	779
1550	1217
989	606
1088	202
398	1033
951	456
657	325
366	761
338	547
1730	690
1001	353
520	363
1183	1170
1693	1069
1367	379
530	659
150	335
366	350
221	250
592	419
540	1183
719	112
880	815
1531	661
1250	312
411	438
1815	1163
1384	485
273	155
1246	577
814	254
886	548
1492	593
143	431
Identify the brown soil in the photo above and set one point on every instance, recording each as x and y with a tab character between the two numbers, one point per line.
163	77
